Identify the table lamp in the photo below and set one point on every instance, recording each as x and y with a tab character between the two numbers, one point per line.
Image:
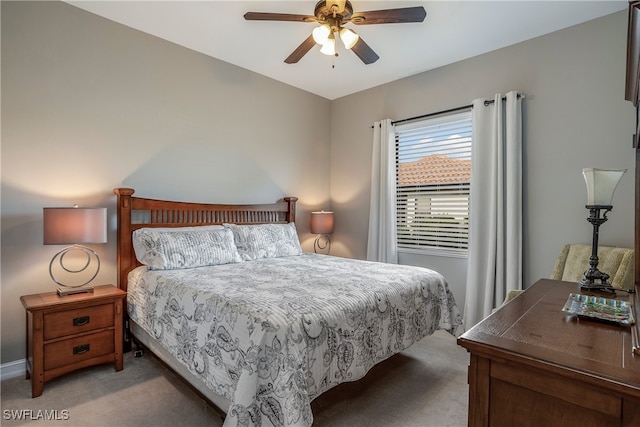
74	226
322	225
601	184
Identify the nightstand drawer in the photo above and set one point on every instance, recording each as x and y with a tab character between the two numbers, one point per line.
70	322
68	352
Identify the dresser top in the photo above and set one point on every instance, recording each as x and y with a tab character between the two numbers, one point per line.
534	328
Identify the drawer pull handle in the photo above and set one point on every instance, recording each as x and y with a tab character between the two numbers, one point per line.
81	321
79	349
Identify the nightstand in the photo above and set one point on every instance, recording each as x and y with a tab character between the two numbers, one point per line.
72	332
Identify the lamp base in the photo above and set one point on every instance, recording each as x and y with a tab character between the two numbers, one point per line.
592	274
588	285
322	242
72	291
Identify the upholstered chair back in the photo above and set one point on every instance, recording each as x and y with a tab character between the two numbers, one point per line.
616	262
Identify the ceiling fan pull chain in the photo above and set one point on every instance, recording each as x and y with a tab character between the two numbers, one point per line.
333	60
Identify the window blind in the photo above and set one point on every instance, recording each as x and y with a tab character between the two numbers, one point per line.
433	175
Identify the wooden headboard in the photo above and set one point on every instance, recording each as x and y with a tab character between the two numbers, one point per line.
136	212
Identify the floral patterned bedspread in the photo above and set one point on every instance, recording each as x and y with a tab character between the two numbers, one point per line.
270	335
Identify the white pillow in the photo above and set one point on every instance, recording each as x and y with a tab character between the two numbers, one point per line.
266	240
184	247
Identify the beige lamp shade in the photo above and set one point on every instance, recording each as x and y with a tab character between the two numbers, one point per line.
348	37
329	47
601	184
321	33
321	222
64	226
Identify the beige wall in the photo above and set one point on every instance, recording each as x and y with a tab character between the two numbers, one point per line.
575	116
89	105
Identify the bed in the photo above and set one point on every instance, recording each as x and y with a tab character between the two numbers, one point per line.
225	296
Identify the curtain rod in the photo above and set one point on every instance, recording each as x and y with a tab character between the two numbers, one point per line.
504	98
424	116
451	110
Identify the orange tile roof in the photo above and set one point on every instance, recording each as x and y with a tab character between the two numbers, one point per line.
434	169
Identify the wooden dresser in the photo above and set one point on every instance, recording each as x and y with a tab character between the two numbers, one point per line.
531	364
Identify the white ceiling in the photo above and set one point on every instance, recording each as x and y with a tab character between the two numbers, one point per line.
452	31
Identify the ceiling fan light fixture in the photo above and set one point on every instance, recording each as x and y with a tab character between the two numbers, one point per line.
321	33
329	47
348	37
330	16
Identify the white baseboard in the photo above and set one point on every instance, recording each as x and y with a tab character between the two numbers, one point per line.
13	369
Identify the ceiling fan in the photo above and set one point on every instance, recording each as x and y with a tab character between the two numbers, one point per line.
332	15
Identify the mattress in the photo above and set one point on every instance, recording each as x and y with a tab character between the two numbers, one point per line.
270	335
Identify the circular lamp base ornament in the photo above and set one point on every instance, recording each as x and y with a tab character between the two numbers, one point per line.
84	266
322	242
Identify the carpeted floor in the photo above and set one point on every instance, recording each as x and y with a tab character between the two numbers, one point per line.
423	386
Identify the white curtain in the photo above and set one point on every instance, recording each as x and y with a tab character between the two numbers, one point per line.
495	216
382	245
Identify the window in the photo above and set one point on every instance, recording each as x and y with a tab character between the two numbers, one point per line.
433	175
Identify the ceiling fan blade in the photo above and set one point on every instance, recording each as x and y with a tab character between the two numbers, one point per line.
390	16
265	16
301	50
364	52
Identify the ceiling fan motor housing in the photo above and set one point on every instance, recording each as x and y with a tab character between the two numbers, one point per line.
329	12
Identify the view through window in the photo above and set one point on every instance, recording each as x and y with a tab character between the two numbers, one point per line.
433	176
